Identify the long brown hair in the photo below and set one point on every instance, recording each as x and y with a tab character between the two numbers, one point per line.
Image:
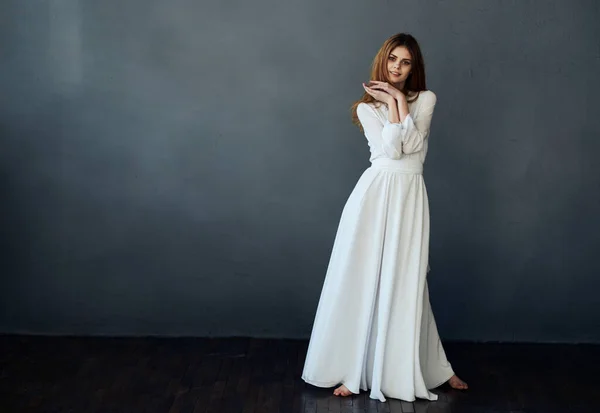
415	82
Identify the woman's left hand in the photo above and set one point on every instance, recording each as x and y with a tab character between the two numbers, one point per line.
386	87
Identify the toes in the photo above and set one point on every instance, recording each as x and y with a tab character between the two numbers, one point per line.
342	391
460	385
457	383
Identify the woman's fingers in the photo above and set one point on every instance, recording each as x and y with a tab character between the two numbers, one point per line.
379	86
377	93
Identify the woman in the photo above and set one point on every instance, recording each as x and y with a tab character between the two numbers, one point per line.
374	327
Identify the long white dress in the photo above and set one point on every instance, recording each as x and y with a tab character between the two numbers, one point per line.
374	327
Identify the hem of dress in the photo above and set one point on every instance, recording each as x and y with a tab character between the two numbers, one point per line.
439	384
434	398
328	384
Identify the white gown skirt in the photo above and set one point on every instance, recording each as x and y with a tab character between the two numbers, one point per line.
374	327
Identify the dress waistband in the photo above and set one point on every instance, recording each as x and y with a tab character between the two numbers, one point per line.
406	166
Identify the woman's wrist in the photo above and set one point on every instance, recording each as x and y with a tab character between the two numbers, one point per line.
400	97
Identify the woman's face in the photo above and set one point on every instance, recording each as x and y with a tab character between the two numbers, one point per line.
399	65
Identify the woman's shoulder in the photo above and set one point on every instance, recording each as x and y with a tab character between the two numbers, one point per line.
427	96
368	107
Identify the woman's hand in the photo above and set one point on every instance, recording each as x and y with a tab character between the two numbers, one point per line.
387	88
392	104
379	95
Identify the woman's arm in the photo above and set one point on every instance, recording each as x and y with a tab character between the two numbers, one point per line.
393	114
399	97
415	133
402	106
386	136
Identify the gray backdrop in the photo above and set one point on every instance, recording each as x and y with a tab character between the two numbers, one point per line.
179	167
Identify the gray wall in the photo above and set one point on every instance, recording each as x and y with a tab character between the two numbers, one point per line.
179	167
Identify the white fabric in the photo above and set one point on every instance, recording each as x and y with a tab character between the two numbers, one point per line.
374	328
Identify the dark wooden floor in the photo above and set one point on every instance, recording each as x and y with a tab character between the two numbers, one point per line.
59	374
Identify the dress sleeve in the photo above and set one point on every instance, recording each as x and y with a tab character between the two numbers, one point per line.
414	133
383	135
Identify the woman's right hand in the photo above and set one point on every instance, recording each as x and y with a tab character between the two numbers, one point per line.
379	95
386	87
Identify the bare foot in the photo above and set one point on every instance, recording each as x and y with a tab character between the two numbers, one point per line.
342	391
457	383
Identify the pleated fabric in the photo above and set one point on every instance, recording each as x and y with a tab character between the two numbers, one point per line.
374	328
